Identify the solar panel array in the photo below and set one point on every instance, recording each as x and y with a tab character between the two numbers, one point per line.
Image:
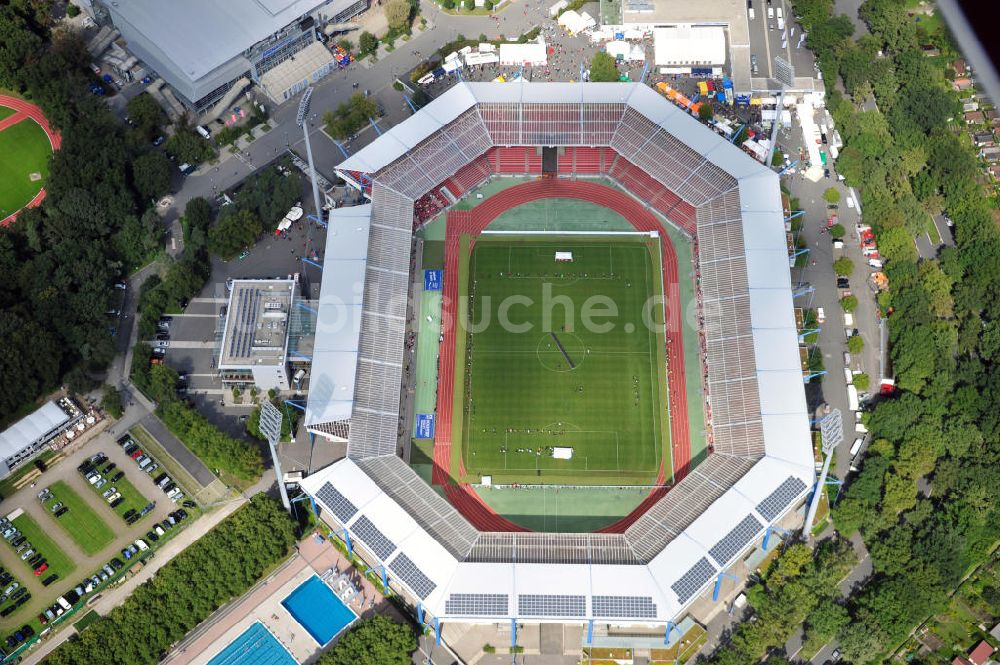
337	502
477	604
375	540
736	540
693	580
404	568
538	605
242	331
776	502
624	607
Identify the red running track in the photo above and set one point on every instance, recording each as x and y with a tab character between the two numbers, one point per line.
473	222
25	110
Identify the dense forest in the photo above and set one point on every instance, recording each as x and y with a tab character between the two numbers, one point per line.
926	500
60	261
375	641
218	567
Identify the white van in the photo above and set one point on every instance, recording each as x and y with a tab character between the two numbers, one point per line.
857	446
852	398
848	376
752	14
848	320
141	544
770	12
201	129
875	263
850	202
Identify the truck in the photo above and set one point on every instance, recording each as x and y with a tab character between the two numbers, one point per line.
852	398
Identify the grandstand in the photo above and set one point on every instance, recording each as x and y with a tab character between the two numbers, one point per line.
453	557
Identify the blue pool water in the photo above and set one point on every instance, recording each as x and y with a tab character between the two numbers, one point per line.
255	646
314	605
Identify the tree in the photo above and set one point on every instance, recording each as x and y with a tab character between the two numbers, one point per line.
367	43
705	111
837	231
603	68
189	147
831	195
139	239
469	5
219	566
855	343
147	115
862	382
849	303
375	641
397	14
843	266
233	233
111	402
18	43
151	173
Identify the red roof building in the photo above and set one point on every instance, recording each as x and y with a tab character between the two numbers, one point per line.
959	67
981	653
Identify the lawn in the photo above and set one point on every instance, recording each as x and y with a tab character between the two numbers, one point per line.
24	149
81	522
134	500
563	373
59	563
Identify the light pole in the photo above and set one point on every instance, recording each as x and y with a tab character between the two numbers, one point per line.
300	120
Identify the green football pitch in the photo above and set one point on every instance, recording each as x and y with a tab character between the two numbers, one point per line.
24	149
557	391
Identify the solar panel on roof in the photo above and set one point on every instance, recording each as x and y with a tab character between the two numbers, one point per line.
537	605
337	502
695	578
775	502
413	577
477	604
736	540
625	607
376	541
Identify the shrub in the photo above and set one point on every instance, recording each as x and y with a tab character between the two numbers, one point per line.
855	344
849	303
837	231
843	266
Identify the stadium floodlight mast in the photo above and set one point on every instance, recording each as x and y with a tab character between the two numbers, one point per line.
301	120
831	430
784	72
270	427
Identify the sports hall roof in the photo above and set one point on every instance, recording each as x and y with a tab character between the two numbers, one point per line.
762	460
31	428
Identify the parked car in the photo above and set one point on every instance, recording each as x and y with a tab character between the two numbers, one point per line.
61	512
50	579
118	476
117	502
41	569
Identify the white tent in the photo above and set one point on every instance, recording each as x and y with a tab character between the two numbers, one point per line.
576	23
295	214
689	45
621	50
532	53
475	58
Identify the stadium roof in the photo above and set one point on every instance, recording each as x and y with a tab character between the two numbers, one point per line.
31	428
338	327
762	461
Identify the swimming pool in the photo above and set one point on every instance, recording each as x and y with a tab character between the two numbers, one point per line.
255	646
318	609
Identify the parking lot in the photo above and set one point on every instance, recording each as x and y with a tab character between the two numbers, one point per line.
82	548
766	40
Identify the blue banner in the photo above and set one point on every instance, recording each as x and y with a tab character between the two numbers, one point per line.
425	426
432	280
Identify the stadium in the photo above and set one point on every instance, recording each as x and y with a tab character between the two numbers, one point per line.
590	190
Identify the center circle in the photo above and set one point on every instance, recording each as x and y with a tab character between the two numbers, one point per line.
560	351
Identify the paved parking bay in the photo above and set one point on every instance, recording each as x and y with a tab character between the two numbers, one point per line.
766	42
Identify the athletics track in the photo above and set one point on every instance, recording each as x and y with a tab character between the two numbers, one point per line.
22	111
473	222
